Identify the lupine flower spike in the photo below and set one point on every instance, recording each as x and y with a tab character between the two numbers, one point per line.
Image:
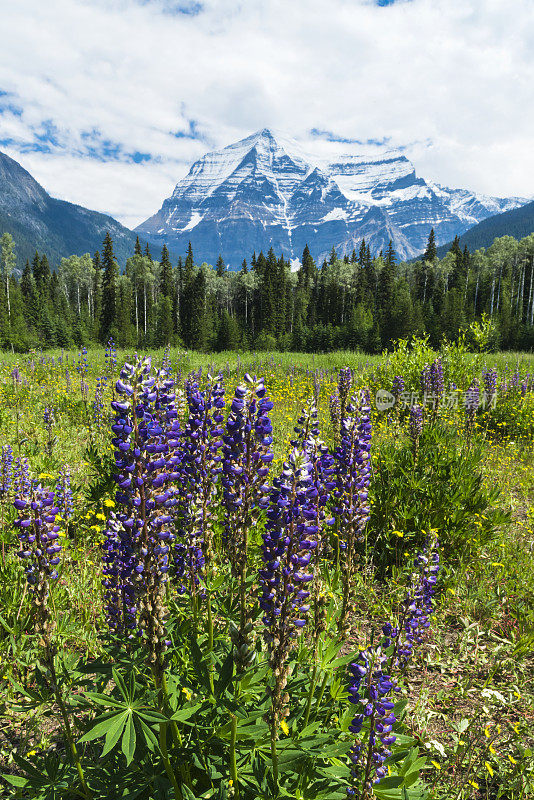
247	456
138	540
351	494
289	541
39	550
415	427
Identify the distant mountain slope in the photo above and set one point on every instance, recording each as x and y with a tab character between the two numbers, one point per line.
518	223
266	191
39	222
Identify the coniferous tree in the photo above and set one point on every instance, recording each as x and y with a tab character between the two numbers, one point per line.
108	313
430	253
220	267
166	277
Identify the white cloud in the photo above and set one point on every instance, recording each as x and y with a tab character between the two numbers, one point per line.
116	77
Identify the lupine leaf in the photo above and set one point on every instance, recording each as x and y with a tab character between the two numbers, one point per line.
114	733
129	740
102	727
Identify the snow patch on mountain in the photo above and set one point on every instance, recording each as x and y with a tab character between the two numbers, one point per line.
268	190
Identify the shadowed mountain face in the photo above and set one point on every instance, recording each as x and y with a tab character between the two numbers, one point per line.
517	223
39	222
265	191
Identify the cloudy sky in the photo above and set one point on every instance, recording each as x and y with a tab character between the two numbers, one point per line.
107	102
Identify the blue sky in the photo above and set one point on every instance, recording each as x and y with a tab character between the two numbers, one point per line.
108	102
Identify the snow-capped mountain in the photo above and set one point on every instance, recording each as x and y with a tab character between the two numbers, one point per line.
266	190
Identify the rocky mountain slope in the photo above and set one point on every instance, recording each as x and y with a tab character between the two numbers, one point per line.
266	191
40	222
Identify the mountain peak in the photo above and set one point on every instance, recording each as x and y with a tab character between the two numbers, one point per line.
268	190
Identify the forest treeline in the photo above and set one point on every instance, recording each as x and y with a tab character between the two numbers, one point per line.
357	302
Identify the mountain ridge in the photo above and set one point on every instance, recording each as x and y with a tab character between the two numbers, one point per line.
56	227
267	190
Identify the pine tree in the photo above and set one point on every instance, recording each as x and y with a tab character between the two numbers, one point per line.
137	248
108	313
221	267
147	252
166	276
333	256
308	269
430	253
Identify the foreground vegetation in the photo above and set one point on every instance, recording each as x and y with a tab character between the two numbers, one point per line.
202	708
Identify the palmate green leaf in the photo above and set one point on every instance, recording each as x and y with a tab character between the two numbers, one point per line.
225	675
151	739
15	780
129	740
28	767
114	733
105	723
183	714
121	685
150	715
104	699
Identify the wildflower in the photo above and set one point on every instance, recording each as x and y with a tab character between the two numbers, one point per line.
6	470
415	426
288	543
351	505
38	537
138	539
370	689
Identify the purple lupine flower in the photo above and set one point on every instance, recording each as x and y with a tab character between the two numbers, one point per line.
39	549
415	425
15	374
110	355
48	418
290	538
6	470
426	384
351	506
68	380
322	471
83	365
84	389
146	437
398	386
370	689
63	492
344	385
417	607
119	577
490	385
515	380
200	467
247	456
21	477
335	414
437	381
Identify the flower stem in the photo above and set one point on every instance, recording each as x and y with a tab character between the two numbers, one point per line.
233	763
210	644
321	693
274	757
313	684
68	730
166	763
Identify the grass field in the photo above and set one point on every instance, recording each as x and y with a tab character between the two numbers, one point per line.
469	481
